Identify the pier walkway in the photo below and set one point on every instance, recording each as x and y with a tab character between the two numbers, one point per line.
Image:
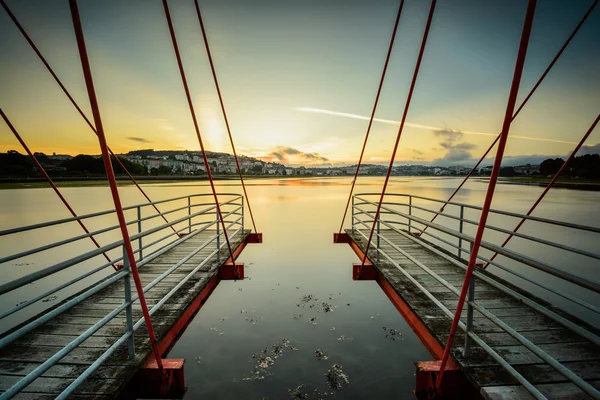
94	343
514	336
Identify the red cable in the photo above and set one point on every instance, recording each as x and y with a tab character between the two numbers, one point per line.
214	73
404	114
89	83
58	193
66	92
512	99
362	151
556	57
193	113
556	176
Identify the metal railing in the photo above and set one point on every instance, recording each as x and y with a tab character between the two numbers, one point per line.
452	237
77	275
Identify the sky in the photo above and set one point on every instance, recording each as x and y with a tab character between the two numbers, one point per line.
299	78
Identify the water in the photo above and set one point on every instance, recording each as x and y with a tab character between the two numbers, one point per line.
298	259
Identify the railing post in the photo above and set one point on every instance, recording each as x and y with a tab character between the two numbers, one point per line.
242	213
129	309
190	214
378	233
218	237
460	229
409	212
139	224
470	298
353	215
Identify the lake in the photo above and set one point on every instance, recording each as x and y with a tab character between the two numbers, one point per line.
295	268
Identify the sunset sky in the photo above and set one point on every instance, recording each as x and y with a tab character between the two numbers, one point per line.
299	78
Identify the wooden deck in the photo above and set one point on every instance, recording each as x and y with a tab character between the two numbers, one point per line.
487	376
25	354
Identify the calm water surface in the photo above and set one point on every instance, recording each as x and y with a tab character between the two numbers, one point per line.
299	261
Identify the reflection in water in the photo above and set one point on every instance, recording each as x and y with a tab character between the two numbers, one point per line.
264	318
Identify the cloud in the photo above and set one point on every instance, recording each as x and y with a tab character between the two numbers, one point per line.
591	149
282	154
458	150
139	139
419	126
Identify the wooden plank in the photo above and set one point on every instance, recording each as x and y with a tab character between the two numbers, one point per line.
562	391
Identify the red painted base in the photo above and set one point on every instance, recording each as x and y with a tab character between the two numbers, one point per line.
255	238
231	271
152	383
341	238
182	234
368	272
454	385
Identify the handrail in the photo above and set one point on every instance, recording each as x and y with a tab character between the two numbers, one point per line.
196	222
101	213
546	267
19	282
493	211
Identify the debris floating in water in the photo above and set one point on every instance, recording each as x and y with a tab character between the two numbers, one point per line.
345	339
254	321
297	393
321	355
393	334
336	378
198	360
312	320
266	358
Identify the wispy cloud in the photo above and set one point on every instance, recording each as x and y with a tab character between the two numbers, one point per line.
457	150
139	139
420	126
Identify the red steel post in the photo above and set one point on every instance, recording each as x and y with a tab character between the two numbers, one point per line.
89	83
214	74
554	178
512	99
72	100
362	151
196	127
531	92
404	114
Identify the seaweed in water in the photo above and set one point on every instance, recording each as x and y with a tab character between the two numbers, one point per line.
336	378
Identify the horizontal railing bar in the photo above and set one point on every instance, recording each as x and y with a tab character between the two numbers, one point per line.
92	368
515	234
542	266
9	286
523	299
162	301
46	365
502	325
100	213
58	288
539	284
528	386
168	272
63	307
495	211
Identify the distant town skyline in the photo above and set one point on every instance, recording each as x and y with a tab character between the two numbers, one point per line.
299	79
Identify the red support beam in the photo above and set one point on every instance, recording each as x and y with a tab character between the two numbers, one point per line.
188	97
547	189
402	121
512	98
72	100
531	92
214	74
89	82
364	146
